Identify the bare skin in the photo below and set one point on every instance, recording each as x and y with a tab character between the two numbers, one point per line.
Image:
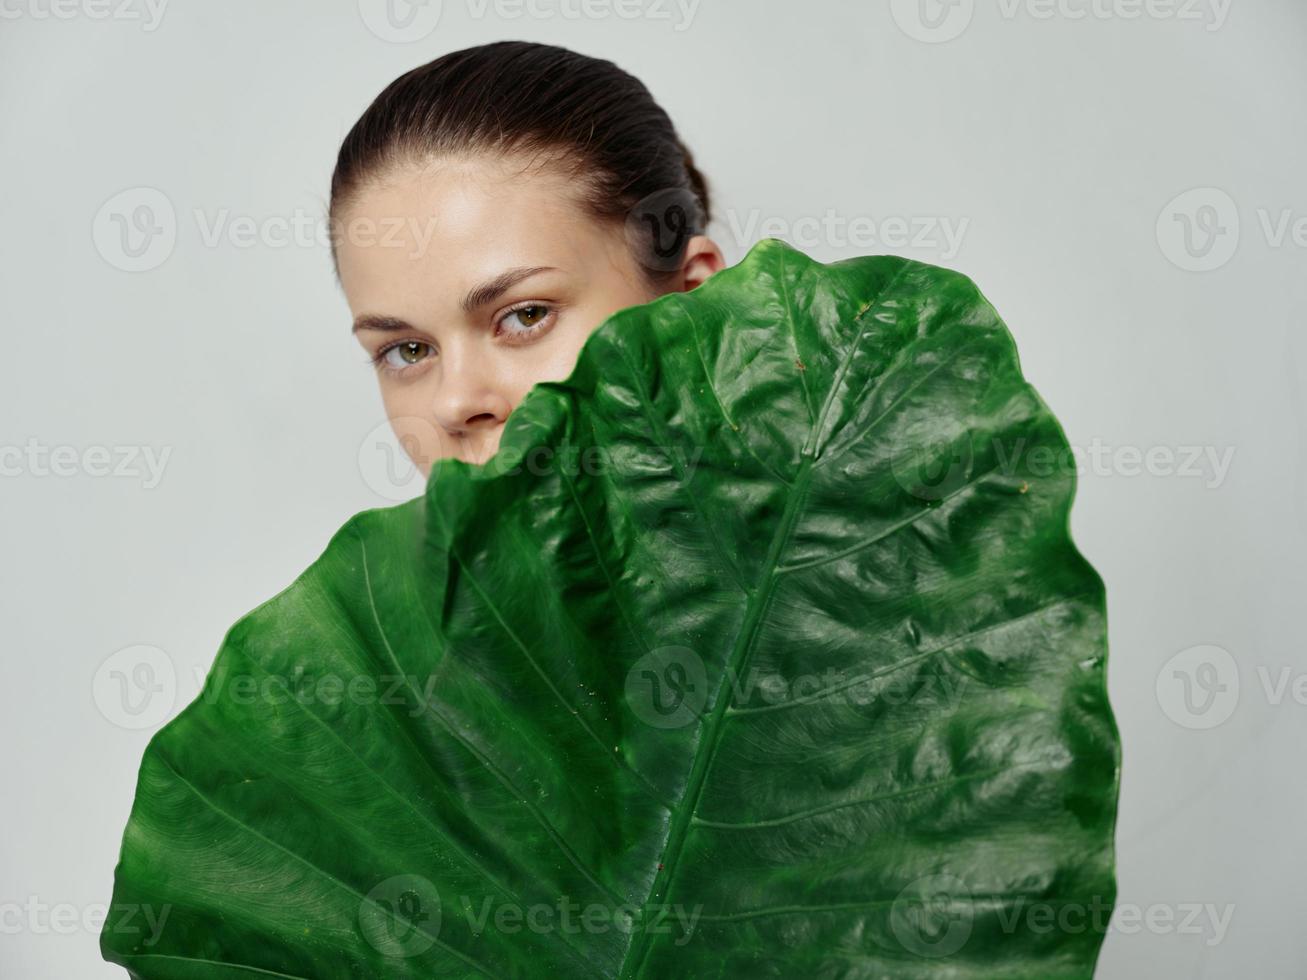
470	280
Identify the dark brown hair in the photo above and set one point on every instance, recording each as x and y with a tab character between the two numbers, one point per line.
583	114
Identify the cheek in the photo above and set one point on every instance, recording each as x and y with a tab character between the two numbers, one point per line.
553	364
415	429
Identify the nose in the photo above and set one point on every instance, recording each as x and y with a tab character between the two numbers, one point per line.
470	405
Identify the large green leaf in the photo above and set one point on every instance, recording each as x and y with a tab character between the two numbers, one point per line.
759	649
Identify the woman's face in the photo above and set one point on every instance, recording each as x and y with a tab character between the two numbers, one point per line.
473	279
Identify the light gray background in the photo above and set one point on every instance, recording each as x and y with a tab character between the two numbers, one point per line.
1061	143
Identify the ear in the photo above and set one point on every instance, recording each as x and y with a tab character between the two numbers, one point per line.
702	259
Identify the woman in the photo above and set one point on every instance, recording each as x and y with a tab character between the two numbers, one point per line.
794	709
490	209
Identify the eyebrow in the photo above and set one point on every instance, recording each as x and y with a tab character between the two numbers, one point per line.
477	296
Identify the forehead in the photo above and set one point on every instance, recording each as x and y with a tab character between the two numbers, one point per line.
419	232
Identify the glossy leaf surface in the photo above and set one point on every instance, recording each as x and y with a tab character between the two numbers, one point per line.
760	649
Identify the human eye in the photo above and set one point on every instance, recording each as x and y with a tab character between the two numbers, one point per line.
402	355
525	321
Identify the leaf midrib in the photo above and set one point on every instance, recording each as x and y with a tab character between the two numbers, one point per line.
637	953
683	818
